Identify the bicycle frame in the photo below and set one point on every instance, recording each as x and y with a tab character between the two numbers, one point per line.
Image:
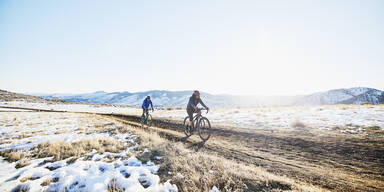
198	115
146	114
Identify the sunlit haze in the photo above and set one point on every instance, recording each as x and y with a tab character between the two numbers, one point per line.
231	47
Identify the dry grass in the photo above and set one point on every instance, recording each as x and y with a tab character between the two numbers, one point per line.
2	142
372	128
24	135
12	155
194	171
49	181
21	188
200	171
25	179
71	160
374	132
344	107
298	124
62	150
113	187
23	163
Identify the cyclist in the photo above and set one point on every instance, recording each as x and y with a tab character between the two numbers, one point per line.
194	100
147	101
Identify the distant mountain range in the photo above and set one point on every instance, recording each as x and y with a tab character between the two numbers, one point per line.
356	95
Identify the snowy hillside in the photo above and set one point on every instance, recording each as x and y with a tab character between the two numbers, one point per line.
356	95
180	98
173	98
10	96
161	98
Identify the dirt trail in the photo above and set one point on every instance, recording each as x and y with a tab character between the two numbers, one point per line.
332	162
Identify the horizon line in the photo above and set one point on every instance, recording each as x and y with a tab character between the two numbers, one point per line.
133	92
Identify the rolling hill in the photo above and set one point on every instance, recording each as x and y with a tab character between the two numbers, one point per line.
356	95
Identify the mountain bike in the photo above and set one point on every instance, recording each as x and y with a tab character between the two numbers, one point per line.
199	123
146	119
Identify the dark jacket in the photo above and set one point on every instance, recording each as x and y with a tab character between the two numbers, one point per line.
193	103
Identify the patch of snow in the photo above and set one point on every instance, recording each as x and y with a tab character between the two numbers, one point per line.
214	189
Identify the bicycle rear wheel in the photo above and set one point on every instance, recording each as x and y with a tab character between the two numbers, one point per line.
187	130
204	128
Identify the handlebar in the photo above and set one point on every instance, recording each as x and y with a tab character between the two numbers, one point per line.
201	109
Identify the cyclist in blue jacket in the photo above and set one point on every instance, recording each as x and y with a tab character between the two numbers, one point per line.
147	101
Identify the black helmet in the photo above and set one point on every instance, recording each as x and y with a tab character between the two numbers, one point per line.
148	97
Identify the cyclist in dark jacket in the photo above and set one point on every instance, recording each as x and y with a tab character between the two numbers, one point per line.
147	101
194	100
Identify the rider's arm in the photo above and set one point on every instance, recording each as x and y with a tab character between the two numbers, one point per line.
151	105
201	102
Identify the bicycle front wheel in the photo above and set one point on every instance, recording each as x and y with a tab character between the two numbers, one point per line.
204	128
142	120
149	120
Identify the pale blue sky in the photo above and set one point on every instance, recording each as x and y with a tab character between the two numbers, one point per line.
234	47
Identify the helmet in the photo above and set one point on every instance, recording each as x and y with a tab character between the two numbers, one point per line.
148	97
196	93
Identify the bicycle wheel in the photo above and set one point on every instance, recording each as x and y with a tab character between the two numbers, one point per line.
187	130
142	120
204	128
149	120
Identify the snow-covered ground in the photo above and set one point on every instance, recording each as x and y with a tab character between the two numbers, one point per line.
353	117
93	171
92	108
322	117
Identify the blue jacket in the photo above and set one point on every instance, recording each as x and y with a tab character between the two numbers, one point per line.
146	104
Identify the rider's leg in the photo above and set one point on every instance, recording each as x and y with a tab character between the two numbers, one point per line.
142	115
190	115
146	114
